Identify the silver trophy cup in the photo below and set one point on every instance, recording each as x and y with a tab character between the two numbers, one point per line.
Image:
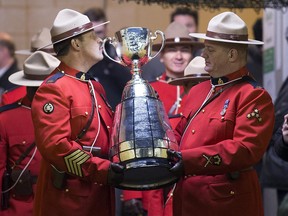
141	131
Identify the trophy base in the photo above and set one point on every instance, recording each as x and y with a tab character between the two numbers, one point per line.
147	174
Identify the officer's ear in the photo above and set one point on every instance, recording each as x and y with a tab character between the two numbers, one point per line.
232	55
75	43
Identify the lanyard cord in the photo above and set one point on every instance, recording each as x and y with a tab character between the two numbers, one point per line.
97	112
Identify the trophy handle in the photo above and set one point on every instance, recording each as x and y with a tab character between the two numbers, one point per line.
110	40
154	37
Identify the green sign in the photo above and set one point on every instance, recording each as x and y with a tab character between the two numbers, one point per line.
268	58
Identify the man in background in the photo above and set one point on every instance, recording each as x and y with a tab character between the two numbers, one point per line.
255	53
8	62
184	16
111	75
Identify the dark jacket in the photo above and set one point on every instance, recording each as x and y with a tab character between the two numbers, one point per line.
112	76
4	82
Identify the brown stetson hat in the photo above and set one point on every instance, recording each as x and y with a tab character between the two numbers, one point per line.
70	23
227	27
175	34
35	69
194	72
40	39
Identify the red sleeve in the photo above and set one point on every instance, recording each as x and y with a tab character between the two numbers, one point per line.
129	194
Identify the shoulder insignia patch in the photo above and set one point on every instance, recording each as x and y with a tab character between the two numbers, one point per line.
55	77
48	108
75	160
9	106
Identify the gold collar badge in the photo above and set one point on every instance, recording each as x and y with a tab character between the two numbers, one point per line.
82	77
220	81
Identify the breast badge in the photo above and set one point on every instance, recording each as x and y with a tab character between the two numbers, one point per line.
226	104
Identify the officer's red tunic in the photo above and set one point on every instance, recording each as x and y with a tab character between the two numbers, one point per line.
229	135
16	135
60	110
13	95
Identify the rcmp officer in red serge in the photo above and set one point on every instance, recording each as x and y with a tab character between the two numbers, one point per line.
225	131
19	156
72	127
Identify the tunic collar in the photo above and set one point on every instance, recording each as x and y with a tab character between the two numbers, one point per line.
74	73
230	77
164	77
25	102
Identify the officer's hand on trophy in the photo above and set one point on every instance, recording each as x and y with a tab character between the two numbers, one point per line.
133	207
176	158
115	174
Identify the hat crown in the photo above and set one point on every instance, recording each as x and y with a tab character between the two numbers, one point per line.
196	67
175	31
227	27
227	23
40	63
40	39
67	20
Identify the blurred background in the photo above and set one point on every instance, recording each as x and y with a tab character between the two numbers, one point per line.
23	18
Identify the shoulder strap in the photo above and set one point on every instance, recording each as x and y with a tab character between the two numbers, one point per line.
252	81
24	154
55	77
9	106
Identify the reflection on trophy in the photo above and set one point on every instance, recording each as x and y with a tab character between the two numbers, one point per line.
141	133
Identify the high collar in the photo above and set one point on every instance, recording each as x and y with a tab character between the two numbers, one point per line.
25	102
230	77
164	77
74	73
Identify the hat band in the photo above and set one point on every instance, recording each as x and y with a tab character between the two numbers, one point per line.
48	50
35	77
235	37
72	32
178	40
197	75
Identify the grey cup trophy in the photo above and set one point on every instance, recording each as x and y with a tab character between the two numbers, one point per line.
141	131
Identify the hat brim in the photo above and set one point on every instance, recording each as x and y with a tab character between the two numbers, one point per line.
19	79
203	36
23	52
194	44
196	79
29	52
